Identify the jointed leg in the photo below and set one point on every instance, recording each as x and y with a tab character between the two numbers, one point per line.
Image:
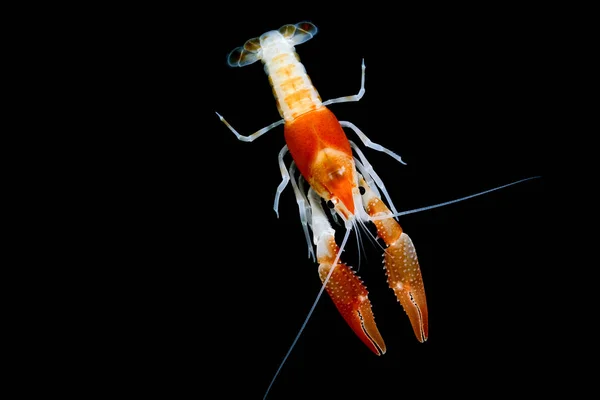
369	143
303	208
366	169
286	178
255	135
356	97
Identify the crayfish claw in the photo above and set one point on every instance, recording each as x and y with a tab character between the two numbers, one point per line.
401	263
404	278
350	296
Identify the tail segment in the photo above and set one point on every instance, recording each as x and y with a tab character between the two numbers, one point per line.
251	51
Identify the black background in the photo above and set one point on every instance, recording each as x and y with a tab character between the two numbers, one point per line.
216	287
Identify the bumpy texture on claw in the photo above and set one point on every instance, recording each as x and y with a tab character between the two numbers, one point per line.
401	264
350	296
404	277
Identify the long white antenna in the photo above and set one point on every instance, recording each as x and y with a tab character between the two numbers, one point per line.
337	257
449	202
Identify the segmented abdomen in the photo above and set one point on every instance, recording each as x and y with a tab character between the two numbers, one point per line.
292	87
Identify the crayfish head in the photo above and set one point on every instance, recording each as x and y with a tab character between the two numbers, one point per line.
334	179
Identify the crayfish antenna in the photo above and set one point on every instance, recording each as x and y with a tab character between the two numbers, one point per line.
310	312
416	210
